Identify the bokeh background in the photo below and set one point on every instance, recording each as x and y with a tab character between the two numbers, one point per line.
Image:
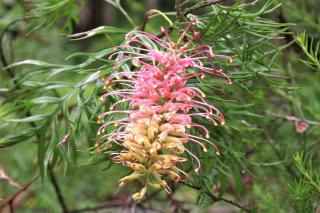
267	163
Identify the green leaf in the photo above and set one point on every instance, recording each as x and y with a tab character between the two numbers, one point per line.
97	31
34	62
33	118
313	54
90	79
17	137
46	100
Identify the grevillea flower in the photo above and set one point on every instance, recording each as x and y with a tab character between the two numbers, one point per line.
151	135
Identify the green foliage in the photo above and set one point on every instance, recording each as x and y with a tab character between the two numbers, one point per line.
309	173
55	11
301	194
311	52
49	109
305	191
304	16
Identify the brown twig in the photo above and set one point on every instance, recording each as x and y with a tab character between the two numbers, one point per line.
93	209
144	22
201	5
217	199
123	204
5	177
9	200
311	122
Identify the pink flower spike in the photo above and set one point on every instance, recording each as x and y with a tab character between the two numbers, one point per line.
163	104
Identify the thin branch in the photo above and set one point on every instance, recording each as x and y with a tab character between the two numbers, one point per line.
11	207
57	190
201	5
293	118
184	3
120	8
2	55
177	6
103	206
217	199
9	200
5	177
123	204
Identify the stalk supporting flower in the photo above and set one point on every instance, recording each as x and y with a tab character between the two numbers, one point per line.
151	135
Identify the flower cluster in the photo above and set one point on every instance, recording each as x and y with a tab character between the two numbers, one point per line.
150	137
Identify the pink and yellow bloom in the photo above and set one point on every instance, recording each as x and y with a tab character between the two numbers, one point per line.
152	133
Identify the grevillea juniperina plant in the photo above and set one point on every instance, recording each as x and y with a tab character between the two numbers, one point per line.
151	135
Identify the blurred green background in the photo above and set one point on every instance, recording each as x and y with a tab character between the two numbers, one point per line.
260	165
